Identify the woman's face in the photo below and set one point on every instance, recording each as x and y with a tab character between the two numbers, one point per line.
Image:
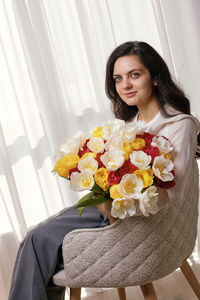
133	81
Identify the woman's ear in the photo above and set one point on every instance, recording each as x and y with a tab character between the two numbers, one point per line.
155	83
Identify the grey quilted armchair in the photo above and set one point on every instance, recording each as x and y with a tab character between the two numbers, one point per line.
133	251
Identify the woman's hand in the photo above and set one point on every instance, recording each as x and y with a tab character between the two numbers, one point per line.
105	209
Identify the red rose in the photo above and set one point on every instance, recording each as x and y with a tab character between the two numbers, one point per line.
152	151
73	170
165	184
146	136
84	149
114	177
127	168
100	164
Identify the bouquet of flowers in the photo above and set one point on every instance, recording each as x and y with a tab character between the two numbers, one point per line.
121	162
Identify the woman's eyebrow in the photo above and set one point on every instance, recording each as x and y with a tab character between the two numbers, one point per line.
133	70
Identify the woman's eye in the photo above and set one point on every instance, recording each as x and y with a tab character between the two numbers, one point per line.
117	79
135	75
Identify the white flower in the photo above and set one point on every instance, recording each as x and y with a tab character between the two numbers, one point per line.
148	201
81	181
162	168
113	159
114	142
88	163
130	186
163	145
140	127
96	144
72	145
140	159
122	207
112	128
127	132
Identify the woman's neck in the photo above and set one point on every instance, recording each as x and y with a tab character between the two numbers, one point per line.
148	112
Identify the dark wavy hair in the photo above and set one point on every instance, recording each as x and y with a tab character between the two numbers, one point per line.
166	90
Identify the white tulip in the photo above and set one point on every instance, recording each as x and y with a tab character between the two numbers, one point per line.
130	186
114	142
140	127
88	163
163	145
113	159
96	145
72	145
81	181
148	201
123	207
140	159
112	128
162	168
127	133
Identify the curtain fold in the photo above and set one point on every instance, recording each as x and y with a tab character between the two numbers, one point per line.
53	57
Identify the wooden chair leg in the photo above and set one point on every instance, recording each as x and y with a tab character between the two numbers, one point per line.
191	278
148	291
121	293
75	293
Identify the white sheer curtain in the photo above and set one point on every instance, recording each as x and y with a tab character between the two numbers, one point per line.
52	57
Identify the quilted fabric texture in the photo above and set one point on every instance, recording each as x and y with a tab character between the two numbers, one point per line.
133	251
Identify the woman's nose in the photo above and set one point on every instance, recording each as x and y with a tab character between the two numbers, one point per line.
126	83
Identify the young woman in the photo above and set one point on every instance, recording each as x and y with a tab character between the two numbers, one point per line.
140	87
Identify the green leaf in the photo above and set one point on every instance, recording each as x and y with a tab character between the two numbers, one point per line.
80	210
97	189
84	199
90	200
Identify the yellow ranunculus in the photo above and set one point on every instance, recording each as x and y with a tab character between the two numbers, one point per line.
138	143
168	156
66	163
101	178
127	148
97	132
146	176
114	193
88	154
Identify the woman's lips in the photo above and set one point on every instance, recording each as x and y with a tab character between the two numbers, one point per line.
131	94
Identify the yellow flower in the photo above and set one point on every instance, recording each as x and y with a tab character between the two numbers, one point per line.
114	192
168	156
88	154
146	176
101	178
97	132
66	163
138	143
127	148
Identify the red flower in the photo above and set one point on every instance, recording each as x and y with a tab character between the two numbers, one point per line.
100	164
84	149
146	136
73	170
114	177
165	184
127	168
152	151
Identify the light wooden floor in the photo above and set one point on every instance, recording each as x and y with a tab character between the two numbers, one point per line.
172	287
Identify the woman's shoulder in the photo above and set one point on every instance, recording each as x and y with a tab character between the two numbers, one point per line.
177	119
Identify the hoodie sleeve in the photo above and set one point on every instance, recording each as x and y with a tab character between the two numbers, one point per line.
183	137
182	133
